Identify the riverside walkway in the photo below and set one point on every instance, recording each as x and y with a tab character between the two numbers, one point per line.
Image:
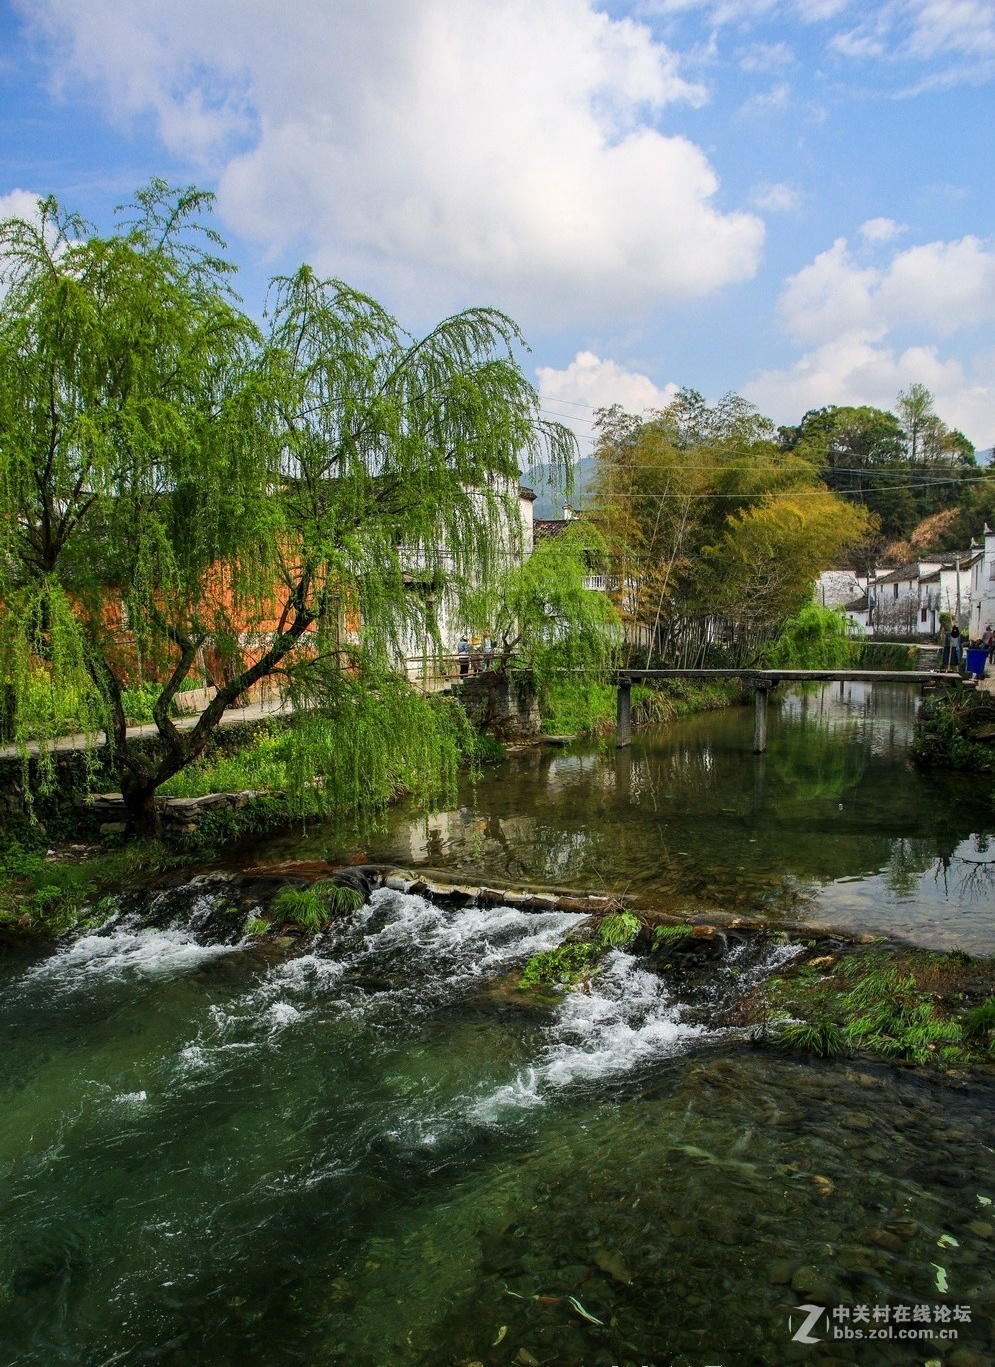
235	716
761	681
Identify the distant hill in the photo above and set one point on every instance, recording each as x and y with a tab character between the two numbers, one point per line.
549	487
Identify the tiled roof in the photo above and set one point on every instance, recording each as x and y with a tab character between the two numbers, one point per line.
903	573
547	526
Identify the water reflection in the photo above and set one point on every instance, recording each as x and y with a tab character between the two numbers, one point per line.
832	824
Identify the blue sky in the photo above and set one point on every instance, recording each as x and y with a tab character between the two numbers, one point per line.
791	199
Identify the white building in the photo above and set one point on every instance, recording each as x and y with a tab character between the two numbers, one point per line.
844	589
908	601
983	586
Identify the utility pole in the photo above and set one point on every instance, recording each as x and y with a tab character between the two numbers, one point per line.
957	572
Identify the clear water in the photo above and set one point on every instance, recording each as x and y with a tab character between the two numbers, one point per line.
369	1149
831	826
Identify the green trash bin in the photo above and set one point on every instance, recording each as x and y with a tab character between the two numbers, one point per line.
976	657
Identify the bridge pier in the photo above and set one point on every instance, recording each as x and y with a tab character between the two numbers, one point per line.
623	715
760	691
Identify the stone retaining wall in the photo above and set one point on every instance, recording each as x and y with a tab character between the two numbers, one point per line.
501	703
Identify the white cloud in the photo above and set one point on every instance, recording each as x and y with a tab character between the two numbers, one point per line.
764	57
19	204
446	149
571	395
768	101
881	229
945	286
954	40
777	198
847	314
956	37
856	371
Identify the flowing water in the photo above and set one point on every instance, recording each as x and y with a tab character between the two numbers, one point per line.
368	1148
832	825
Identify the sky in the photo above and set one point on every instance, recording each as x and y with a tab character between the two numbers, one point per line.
792	199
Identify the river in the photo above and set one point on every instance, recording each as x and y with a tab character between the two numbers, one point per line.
367	1149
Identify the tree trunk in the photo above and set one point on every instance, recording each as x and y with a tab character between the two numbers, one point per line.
143	812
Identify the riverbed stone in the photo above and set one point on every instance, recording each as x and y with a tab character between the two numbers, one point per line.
809	1281
981	1228
968	1357
780	1273
885	1239
904	1228
853	1120
859	1260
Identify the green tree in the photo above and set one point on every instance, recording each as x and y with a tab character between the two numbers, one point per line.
546	614
903	469
707	515
247	495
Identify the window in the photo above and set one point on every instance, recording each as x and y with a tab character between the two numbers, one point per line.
922	615
895	586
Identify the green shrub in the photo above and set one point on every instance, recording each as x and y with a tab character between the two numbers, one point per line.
339	899
573	706
668	935
618	928
815	638
823	1039
979	1023
562	966
303	906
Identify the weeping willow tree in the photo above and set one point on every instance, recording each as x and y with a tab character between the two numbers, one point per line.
815	638
565	634
182	492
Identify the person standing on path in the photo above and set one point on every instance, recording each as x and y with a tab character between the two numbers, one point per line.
955	646
463	655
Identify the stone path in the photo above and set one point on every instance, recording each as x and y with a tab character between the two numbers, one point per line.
235	716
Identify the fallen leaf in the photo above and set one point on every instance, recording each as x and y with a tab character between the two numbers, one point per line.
501	1333
941	1277
586	1313
947	1241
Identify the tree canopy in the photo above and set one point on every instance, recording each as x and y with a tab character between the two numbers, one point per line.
257	500
903	467
706	516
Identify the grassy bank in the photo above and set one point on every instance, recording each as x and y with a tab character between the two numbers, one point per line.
895	1003
575	708
904	1005
956	731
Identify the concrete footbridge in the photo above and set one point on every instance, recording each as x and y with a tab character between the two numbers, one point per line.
760	682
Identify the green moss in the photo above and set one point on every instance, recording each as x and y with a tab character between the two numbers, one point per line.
563	966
